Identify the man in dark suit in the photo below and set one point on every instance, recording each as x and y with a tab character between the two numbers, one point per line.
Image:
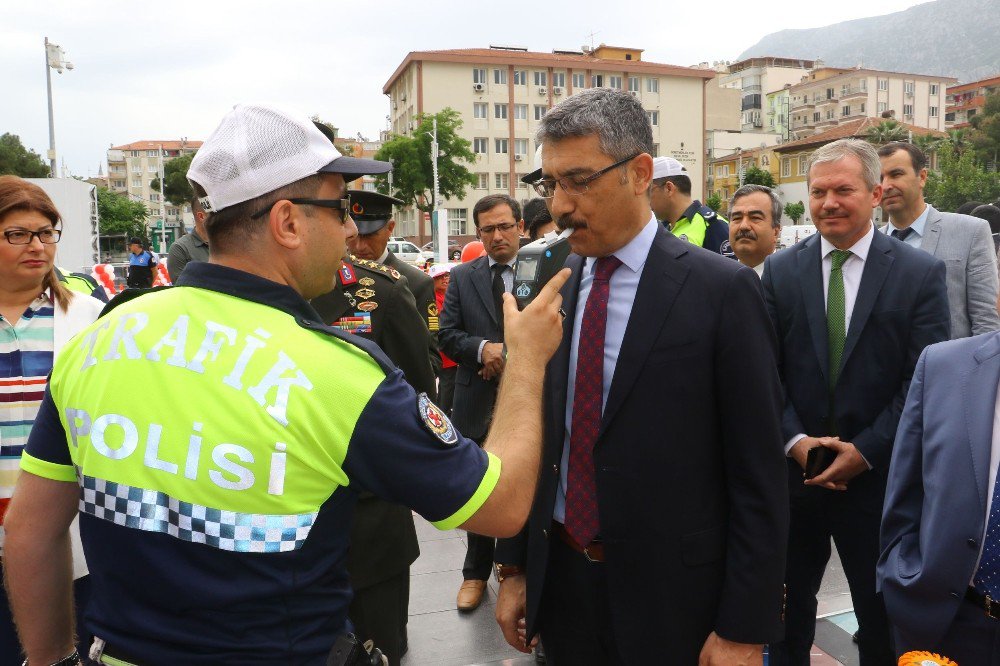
373	301
853	309
472	335
940	565
658	528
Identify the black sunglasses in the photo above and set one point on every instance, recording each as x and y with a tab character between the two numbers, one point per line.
342	205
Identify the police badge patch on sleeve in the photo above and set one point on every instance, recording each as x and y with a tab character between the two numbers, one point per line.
435	421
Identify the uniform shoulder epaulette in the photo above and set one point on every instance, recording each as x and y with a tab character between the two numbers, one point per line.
375	266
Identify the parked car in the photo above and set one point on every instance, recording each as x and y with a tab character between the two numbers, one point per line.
454	250
408	252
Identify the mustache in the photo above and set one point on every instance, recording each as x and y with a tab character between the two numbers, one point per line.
565	223
745	233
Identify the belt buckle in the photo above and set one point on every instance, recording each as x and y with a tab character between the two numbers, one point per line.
586	553
993	614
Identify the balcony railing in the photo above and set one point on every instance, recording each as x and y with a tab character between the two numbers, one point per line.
852	93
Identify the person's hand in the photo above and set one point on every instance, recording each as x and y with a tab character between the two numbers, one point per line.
535	332
492	360
717	651
800	452
510	611
847	465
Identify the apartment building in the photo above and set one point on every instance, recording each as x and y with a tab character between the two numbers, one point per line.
131	169
502	93
756	77
830	96
778	106
360	146
966	100
726	172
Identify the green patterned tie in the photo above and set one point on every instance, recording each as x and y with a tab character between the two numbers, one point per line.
835	313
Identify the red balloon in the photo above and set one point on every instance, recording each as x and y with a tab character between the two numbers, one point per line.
473	250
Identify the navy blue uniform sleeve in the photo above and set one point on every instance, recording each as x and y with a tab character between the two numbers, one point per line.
47	453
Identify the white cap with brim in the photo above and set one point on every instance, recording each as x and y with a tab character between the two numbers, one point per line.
438	270
667	166
537	173
257	149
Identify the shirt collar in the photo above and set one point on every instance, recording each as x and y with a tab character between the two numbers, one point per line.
198	240
859	249
691	211
247	286
385	255
917	226
635	252
494	262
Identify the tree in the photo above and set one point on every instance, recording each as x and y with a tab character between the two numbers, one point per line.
714	201
959	178
928	143
886	131
176	188
985	136
795	210
412	173
17	160
120	215
757	176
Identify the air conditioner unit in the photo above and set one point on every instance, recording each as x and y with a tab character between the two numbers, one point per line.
542	90
557	91
478	87
518	157
634	93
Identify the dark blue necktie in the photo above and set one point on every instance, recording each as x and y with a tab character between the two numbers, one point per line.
987	578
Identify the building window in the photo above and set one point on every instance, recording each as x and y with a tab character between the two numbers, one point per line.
597	80
656	150
520	147
541	78
633	83
816	116
934	112
829	114
479	145
520	77
579	81
368	186
479	110
136	168
652	85
803	165
501	146
934	89
479	75
908	87
500	111
845	110
907	109
863	85
519	183
502	180
862	107
520	112
482	181
500	76
458	221
137	182
786	167
615	82
540	111
118	183
154	196
882	107
152	153
883	84
133	153
152	168
654	117
559	79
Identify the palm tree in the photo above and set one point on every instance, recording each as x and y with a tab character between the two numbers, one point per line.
886	131
958	139
928	143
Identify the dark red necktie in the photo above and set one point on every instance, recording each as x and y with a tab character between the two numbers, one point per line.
582	520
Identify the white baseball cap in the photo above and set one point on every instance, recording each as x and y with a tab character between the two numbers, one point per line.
667	166
257	149
530	178
437	270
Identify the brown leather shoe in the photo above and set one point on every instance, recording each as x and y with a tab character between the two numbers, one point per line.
470	595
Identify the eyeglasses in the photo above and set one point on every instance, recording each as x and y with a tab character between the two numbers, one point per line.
502	228
24	237
342	205
546	187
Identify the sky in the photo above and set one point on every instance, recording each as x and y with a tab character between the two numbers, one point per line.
167	70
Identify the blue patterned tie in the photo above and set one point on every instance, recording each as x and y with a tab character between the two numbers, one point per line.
987	578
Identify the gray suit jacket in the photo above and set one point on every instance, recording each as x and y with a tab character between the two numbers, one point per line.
965	245
938	485
469	317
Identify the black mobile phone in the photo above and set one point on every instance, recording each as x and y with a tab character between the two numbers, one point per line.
818	459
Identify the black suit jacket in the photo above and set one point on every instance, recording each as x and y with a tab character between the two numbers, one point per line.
901	307
470	317
422	286
690	476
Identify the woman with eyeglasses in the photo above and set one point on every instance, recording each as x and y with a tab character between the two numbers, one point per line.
38	315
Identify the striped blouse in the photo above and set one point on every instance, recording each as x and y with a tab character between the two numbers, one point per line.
26	349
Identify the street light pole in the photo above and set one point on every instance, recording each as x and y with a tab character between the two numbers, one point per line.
440	238
163	209
55	58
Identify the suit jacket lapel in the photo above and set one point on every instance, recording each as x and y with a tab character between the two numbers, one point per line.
662	278
932	231
482	278
979	396
810	275
873	276
558	371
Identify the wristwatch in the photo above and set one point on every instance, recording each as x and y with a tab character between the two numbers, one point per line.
70	660
507	570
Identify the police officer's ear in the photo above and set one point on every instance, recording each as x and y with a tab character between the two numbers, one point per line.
642	173
286	224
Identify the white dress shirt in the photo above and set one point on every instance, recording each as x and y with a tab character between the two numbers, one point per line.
918	225
851	270
621	295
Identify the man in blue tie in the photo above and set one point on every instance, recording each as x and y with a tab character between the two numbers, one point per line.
939	572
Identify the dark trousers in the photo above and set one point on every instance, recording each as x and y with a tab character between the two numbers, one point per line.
852	520
574	618
446	388
972	639
379	614
10	646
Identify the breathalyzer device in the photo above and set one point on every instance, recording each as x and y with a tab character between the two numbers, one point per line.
537	262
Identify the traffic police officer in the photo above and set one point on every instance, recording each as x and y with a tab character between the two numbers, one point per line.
373	301
687	218
215	521
82	284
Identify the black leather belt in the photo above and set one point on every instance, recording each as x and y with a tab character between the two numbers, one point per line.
593	552
991	606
